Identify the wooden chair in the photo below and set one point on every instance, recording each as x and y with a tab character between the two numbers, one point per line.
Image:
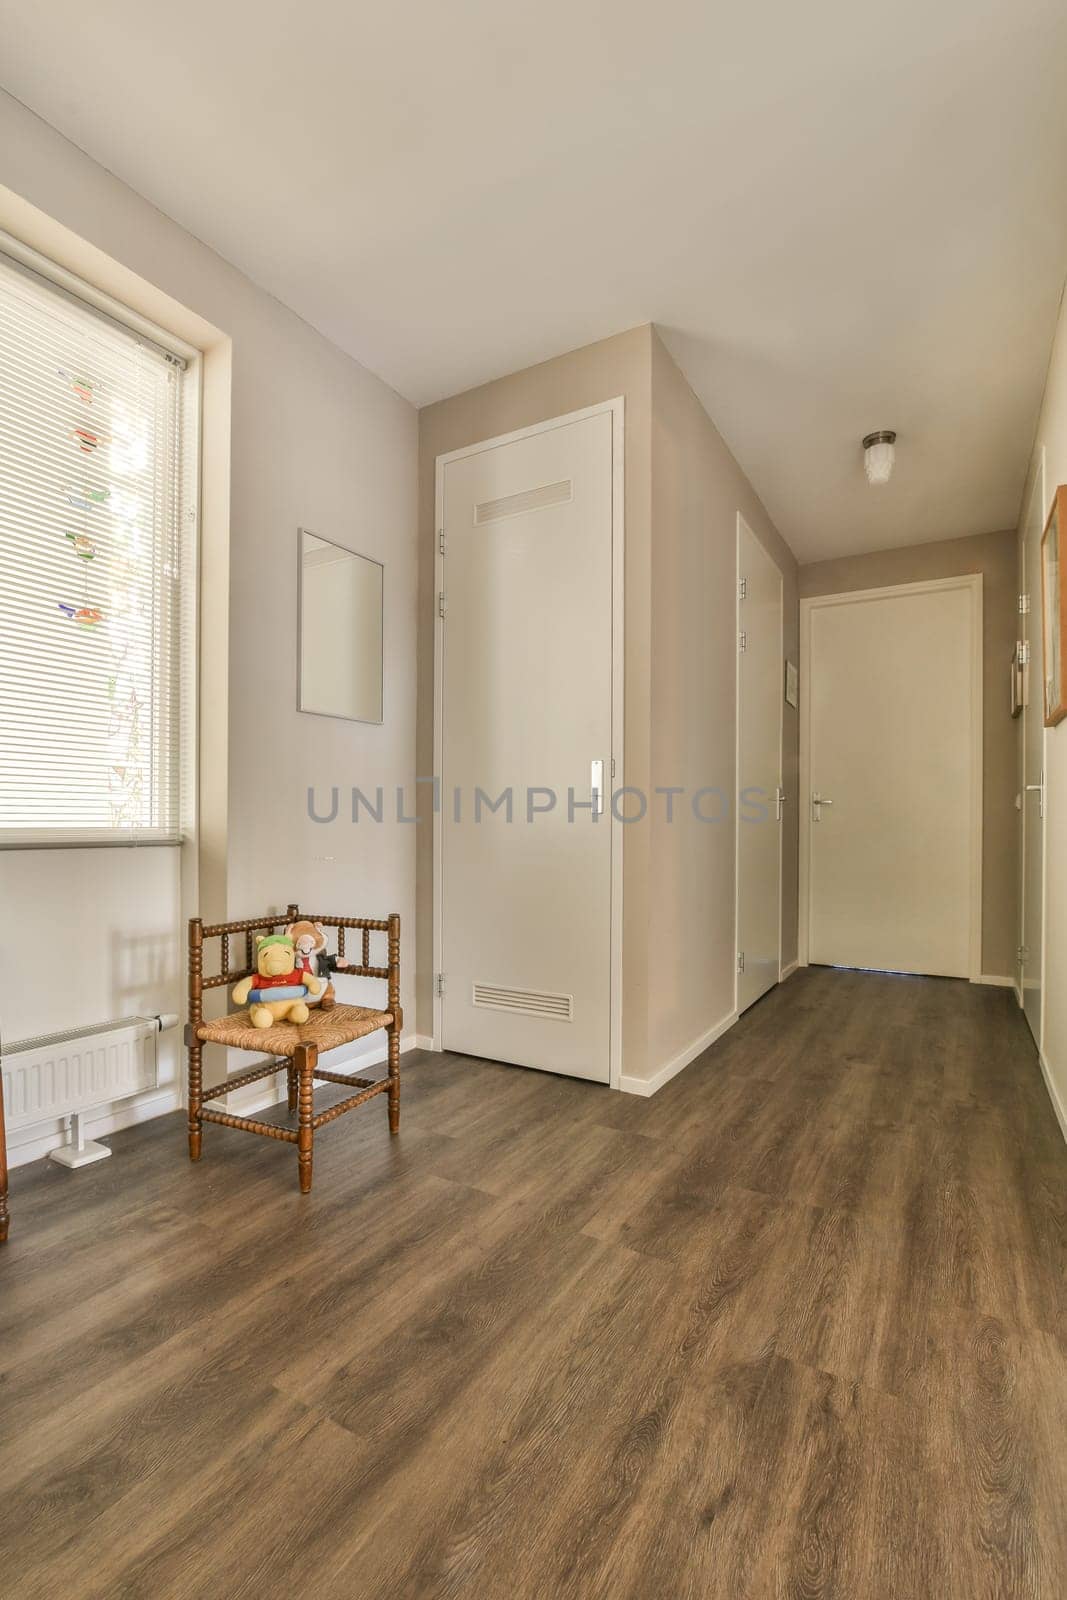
299	1045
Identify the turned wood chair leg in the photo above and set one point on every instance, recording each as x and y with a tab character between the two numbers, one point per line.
196	1084
292	1085
394	1080
196	1049
396	1024
305	1058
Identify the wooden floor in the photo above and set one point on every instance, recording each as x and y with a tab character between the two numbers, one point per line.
794	1327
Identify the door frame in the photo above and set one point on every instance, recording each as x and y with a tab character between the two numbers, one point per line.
971	582
1030	584
616	409
743	523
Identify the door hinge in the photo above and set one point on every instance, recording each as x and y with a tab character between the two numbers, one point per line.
613	766
439	983
1024	604
742	643
1024	652
740	961
1020	955
442	604
441	540
742	589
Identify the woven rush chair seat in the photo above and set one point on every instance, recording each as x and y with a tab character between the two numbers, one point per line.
291	1047
327	1029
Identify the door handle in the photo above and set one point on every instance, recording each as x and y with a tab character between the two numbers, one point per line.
1039	789
780	798
596	787
817	802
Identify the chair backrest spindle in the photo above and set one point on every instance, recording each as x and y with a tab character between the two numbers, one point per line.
223	931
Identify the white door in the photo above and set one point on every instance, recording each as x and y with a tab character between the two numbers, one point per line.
893	700
1033	797
525	889
759	768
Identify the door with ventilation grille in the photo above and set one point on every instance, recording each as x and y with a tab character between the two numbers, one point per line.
525	746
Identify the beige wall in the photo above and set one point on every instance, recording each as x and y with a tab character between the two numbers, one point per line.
1052	436
602	371
683	492
697	491
994	556
314	440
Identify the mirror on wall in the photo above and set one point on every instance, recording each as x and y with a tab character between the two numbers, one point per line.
340	631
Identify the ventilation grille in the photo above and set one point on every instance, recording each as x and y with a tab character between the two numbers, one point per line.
513	505
527	1002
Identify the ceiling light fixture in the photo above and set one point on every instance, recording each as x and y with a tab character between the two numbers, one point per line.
878	455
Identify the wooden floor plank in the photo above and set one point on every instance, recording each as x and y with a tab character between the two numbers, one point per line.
795	1326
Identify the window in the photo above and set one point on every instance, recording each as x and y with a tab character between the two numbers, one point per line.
97	565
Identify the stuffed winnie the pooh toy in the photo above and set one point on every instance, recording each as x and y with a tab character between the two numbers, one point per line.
278	990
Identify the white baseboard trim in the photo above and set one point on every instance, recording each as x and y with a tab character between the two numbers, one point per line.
995	982
1053	1093
787	972
31	1144
648	1086
421	1041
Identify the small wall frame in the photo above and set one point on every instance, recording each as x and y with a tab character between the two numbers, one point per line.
1054	609
340	623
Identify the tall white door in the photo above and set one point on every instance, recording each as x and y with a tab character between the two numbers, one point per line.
1033	796
526	720
893	692
760	688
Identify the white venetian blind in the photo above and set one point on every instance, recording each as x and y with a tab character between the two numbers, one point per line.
91	574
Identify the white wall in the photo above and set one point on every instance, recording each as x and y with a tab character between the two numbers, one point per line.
314	440
89	935
1052	434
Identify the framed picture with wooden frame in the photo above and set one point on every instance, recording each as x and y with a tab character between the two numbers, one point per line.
1054	609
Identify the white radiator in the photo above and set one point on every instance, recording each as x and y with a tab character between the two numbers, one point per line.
60	1075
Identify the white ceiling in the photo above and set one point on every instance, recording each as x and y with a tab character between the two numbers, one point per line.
842	217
